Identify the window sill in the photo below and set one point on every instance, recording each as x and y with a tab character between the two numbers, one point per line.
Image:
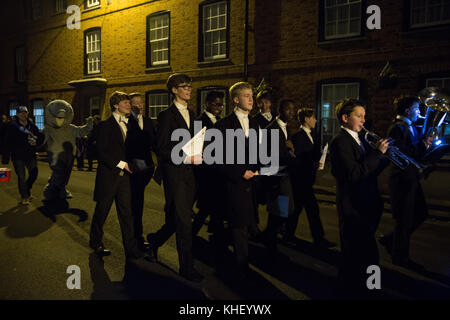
91	9
158	69
425	29
340	40
93	75
215	63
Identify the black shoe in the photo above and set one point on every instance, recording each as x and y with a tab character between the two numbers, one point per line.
149	256
324	243
143	245
192	275
102	252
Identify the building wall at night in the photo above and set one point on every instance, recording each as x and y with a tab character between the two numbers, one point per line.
289	45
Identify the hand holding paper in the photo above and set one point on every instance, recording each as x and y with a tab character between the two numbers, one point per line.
323	158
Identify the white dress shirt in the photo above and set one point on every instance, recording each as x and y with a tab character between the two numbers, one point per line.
267	115
283	126
243	120
122	121
308	133
184	112
355	136
211	116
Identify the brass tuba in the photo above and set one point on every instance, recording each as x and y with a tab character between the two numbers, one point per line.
437	104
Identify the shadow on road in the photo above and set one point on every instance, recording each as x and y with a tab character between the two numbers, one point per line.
254	287
142	281
22	224
52	208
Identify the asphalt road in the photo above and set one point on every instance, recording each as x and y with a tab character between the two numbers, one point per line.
36	252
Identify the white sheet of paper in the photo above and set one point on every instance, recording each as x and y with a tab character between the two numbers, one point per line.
195	145
323	157
271	171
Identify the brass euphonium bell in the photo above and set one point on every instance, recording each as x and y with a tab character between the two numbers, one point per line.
438	104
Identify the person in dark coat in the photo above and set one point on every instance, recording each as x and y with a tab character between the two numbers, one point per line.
208	193
409	208
303	174
238	177
92	143
355	166
178	178
280	185
265	115
112	183
22	137
140	143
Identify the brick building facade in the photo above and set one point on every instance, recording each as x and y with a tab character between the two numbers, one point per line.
315	52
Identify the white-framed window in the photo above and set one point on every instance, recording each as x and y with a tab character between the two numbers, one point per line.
38	113
12	108
157	101
94	105
158	26
20	64
36	9
203	92
425	13
342	18
331	95
92	4
93	52
60	6
214	30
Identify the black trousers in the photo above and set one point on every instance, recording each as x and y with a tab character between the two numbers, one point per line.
304	198
24	184
179	191
139	180
359	250
122	197
280	186
409	210
239	237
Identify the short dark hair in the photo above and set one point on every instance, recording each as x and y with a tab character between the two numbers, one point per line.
213	95
176	79
304	113
346	106
404	102
265	94
135	95
284	104
116	97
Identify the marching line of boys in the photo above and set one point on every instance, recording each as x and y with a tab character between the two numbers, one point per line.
231	193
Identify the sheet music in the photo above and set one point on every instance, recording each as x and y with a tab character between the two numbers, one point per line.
195	145
323	157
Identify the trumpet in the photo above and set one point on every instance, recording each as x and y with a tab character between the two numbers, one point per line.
394	154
